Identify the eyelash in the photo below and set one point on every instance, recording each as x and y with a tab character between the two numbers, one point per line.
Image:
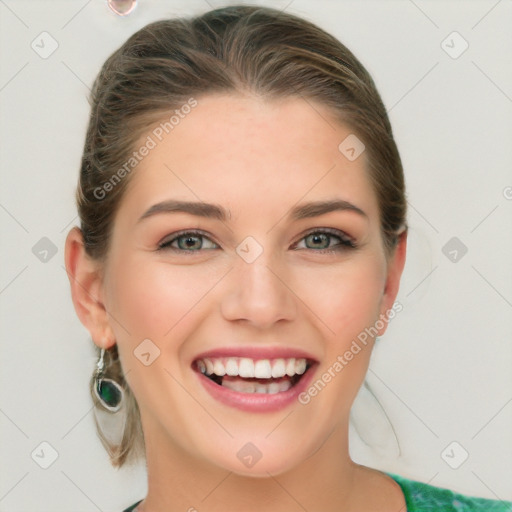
345	241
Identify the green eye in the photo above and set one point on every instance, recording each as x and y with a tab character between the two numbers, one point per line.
317	241
191	241
320	241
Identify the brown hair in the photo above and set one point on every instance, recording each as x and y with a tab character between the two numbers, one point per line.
238	49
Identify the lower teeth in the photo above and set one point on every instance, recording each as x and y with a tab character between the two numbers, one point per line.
254	385
257	387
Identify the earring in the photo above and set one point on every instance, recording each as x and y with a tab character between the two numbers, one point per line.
109	393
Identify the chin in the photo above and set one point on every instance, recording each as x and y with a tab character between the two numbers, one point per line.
262	457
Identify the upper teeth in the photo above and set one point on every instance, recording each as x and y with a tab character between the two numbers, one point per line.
252	368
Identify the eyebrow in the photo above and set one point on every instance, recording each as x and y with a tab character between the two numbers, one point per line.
214	211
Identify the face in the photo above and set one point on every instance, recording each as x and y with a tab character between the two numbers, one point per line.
257	285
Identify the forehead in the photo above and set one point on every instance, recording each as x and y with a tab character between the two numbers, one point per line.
248	153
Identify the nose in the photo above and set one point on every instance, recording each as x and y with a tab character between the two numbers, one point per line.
259	293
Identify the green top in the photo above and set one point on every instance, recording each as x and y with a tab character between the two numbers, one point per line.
421	497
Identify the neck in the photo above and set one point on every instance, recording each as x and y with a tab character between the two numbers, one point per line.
179	482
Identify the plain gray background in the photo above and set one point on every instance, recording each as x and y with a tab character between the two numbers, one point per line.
442	370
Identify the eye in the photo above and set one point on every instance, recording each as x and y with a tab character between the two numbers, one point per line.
320	241
190	241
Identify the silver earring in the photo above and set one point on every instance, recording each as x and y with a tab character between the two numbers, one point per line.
109	392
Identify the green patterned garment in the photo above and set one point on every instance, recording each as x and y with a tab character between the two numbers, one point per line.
421	497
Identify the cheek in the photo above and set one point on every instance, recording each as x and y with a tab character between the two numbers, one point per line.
345	298
151	298
347	301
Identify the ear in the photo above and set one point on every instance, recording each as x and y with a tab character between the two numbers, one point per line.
395	267
86	282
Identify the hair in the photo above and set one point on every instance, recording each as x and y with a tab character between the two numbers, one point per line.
235	50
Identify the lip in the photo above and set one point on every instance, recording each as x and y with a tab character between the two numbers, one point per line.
257	402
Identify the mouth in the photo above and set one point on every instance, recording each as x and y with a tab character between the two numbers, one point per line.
254	376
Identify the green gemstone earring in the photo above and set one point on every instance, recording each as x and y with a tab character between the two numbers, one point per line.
109	393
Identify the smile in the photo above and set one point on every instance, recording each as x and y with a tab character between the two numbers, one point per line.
252	383
247	375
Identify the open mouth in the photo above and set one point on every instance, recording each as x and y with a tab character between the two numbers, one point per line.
246	375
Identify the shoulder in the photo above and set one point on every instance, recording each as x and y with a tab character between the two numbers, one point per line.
421	497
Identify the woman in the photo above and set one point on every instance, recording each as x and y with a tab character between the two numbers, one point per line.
243	222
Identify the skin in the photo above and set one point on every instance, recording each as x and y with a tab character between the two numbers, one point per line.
257	159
